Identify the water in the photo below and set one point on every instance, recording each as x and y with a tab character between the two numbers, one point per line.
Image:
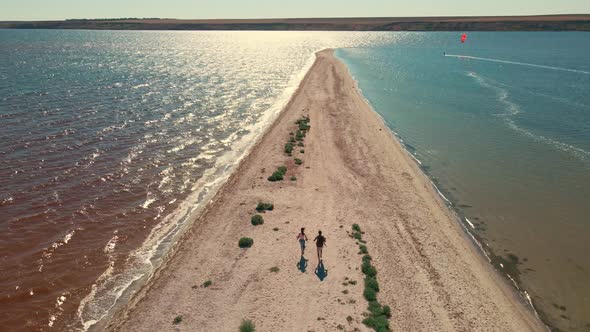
502	125
109	143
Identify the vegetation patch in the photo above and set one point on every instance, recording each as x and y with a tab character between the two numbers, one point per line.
247	326
245	242
177	320
293	178
262	207
289	148
207	283
278	174
298	161
301	151
275	229
378	316
257	220
274	269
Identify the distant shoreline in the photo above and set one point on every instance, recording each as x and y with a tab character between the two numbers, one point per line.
573	22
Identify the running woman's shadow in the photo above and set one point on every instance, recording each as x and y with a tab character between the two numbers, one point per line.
320	271
302	264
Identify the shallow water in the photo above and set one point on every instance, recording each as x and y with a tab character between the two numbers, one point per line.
109	142
502	124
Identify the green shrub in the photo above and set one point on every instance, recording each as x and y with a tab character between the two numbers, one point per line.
356	228
177	320
300	144
372	283
291	139
301	151
363	249
378	323
247	326
245	242
375	308
370	294
368	269
367	258
207	283
293	178
291	133
357	236
257	220
387	311
276	176
274	269
282	169
298	161
262	207
288	148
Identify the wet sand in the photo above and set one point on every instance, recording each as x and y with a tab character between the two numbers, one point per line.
354	171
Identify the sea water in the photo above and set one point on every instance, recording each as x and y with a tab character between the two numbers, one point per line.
502	125
111	141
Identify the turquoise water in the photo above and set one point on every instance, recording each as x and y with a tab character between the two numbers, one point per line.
502	125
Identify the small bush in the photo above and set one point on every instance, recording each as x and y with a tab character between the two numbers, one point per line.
257	220
387	311
288	148
340	327
345	291
245	242
275	229
261	207
298	161
375	308
367	258
371	283
370	294
207	283
293	178
276	176
349	319
356	228
301	151
274	269
247	326
378	323
291	133
292	140
300	144
357	236
177	320
368	269
352	282
363	249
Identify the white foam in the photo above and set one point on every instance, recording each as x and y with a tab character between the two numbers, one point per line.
470	223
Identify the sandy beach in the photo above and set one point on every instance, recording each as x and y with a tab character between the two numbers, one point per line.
354	171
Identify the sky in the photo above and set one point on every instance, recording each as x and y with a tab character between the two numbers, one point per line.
207	9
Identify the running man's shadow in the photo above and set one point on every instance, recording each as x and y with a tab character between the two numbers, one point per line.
320	271
302	264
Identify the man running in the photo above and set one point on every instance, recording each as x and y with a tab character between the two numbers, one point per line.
320	241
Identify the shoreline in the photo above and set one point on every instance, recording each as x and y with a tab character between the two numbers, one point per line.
345	156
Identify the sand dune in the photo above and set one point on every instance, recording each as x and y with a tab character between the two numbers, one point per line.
353	171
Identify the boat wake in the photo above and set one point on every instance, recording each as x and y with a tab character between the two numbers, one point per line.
517	63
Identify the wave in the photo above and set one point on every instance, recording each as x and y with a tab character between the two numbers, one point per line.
517	63
512	109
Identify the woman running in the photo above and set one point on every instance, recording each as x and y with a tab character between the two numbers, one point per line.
302	238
